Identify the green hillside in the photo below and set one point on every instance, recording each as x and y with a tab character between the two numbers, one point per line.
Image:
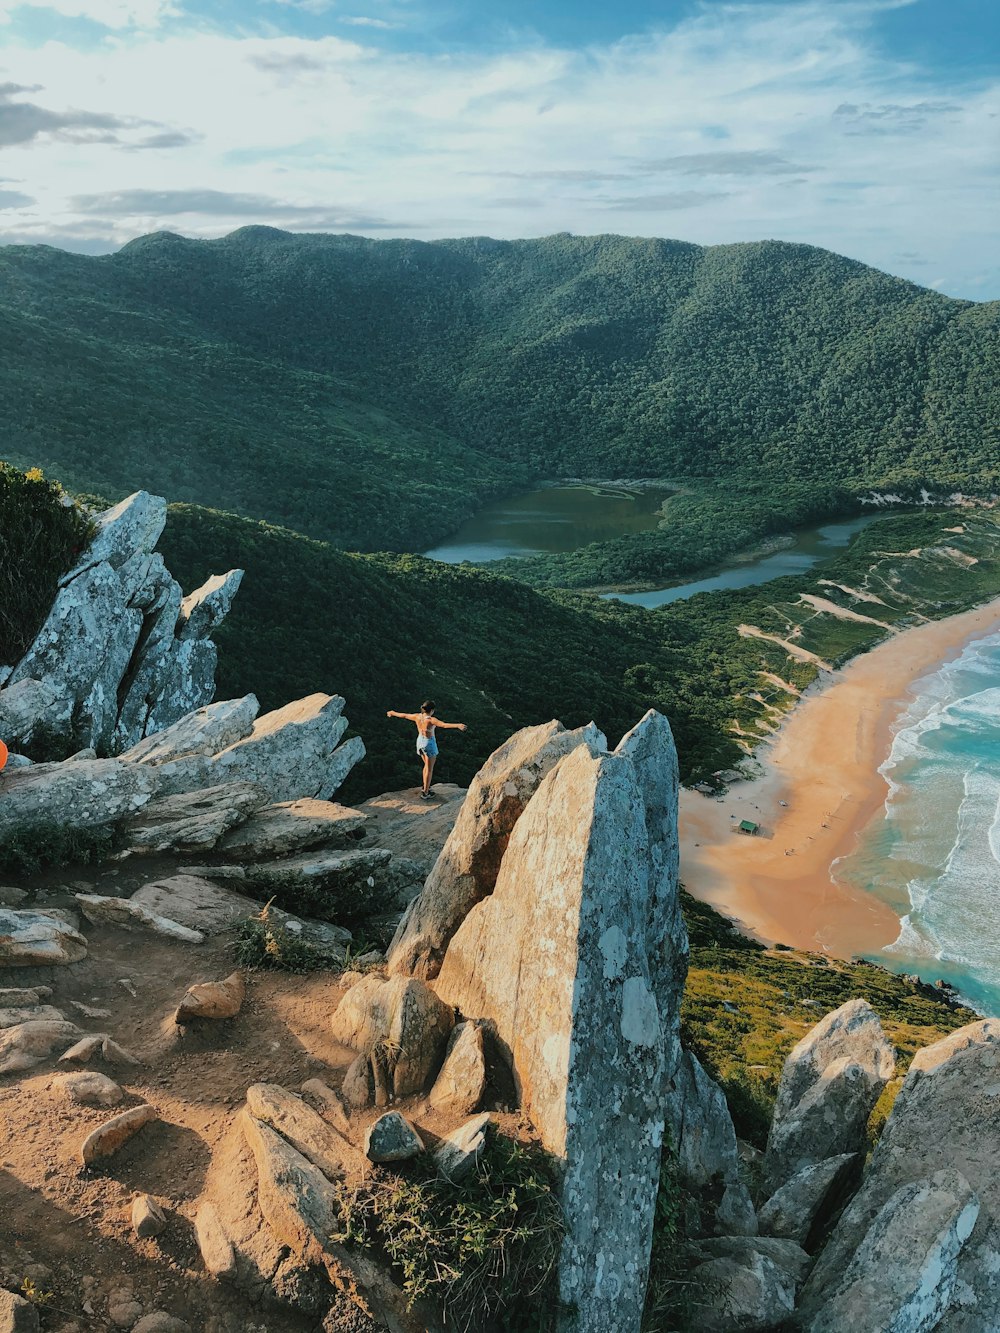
372	393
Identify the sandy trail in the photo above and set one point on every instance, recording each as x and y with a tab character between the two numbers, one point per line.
824	764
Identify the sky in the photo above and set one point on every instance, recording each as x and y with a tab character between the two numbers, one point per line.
869	127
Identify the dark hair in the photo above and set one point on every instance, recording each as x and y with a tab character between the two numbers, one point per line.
427	706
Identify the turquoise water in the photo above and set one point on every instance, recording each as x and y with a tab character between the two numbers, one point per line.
810	547
935	856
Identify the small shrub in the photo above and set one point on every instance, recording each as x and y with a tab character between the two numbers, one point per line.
29	850
484	1251
263	942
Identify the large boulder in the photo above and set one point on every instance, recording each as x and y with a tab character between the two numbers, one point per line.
467	868
205	732
945	1119
85	794
829	1085
705	1147
404	1018
580	901
745	1283
903	1275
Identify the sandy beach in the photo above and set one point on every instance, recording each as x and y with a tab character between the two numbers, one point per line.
823	763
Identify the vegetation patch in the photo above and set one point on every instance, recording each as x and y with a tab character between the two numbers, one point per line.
484	1252
263	942
28	850
41	536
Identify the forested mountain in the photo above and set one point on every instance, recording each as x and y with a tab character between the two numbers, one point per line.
373	392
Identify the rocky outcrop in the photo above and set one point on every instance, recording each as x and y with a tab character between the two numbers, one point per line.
190	821
829	1085
404	1019
943	1121
467	868
793	1210
291	827
121	654
88	794
585	890
34	937
705	1147
745	1283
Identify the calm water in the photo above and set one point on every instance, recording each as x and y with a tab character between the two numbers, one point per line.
550	521
935	855
811	546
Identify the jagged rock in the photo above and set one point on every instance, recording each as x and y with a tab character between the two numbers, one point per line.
206	607
347	878
329	1104
217	1253
89	1089
204	732
106	1139
458	1152
305	1130
148	1218
17	1315
28	1044
461	1084
298	1202
94	1044
91	794
580	900
944	1119
405	1015
290	827
11	1017
130	915
391	1138
829	1084
903	1276
134	524
468	866
212	909
11	896
191	821
358	1089
344	758
290	753
705	1144
793	1209
212	999
746	1283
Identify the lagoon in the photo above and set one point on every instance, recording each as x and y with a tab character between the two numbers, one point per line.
810	547
552	520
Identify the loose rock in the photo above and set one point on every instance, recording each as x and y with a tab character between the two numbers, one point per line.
17	1315
391	1138
89	1089
305	1130
106	1139
212	999
28	1044
148	1218
458	1152
406	1017
461	1084
217	1253
328	1103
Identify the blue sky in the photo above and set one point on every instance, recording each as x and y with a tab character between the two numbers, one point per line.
871	127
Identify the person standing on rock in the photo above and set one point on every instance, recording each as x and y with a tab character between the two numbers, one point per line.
427	749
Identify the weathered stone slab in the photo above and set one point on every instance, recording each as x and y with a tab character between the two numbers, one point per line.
217	1253
107	1138
297	1200
130	915
88	1088
10	1018
191	821
467	868
31	937
290	827
793	1209
203	732
90	794
305	1130
566	933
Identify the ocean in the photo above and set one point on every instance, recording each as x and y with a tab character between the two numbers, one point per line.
934	856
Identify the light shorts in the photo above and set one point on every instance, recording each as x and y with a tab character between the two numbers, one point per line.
427	745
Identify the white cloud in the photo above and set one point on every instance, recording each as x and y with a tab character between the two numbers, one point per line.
108	13
748	121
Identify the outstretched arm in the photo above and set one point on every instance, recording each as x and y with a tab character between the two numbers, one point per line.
407	717
450	726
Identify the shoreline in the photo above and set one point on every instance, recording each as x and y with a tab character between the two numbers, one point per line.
823	762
